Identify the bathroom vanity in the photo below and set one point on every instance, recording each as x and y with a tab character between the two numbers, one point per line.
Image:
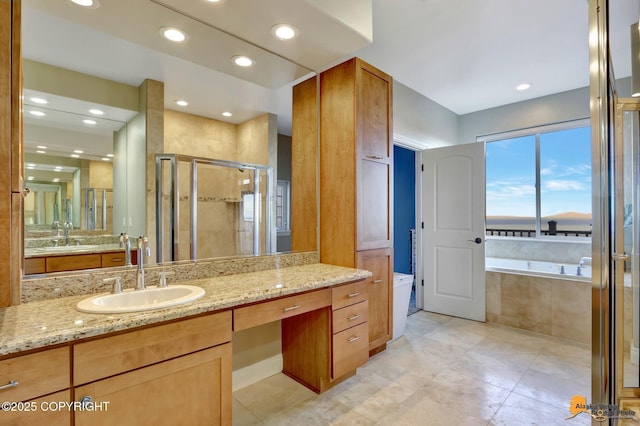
150	367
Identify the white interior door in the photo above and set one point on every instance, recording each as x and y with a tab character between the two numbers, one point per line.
453	200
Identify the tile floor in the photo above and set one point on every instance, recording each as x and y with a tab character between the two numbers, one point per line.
444	371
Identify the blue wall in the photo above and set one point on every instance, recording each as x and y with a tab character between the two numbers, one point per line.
404	206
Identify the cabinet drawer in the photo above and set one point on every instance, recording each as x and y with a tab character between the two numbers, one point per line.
41	412
350	349
350	316
278	309
113	259
34	265
73	262
37	374
348	294
123	352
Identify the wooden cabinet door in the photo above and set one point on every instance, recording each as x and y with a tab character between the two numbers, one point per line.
193	389
375	198
48	410
374	113
380	291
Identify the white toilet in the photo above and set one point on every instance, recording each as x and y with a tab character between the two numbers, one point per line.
402	284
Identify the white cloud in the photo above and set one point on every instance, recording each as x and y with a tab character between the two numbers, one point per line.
564	185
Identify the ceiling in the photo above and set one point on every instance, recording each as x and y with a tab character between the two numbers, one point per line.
466	55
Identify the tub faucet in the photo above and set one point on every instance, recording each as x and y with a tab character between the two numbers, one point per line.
143	245
584	260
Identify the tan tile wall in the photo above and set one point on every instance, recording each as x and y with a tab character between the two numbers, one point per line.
556	307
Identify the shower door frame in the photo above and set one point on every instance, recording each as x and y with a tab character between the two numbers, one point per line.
174	194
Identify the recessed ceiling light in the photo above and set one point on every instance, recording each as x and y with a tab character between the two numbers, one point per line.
30	178
58	167
39	101
56	179
173	34
95	111
215	1
106	159
78	151
181	102
92	4
284	31
227	114
37	113
41	152
30	165
41	147
89	122
75	155
242	61
110	155
523	86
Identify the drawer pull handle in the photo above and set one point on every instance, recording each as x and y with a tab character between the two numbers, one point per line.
354	317
11	384
116	259
374	157
377	281
353	294
353	339
291	308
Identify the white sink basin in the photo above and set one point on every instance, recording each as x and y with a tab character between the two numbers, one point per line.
65	248
141	300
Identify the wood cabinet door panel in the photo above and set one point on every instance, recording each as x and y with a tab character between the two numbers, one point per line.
113	259
374	113
34	265
380	293
374	206
193	389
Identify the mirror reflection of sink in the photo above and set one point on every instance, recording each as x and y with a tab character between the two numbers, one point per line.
66	248
141	300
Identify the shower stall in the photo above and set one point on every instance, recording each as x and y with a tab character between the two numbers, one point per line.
213	208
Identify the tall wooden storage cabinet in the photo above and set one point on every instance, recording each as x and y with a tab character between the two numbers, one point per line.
356	182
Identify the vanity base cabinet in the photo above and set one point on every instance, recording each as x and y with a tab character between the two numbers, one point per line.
193	389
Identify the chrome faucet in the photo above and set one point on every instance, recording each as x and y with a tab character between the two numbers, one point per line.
56	227
584	260
143	245
126	243
67	226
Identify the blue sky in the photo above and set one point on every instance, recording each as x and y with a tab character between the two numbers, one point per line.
565	174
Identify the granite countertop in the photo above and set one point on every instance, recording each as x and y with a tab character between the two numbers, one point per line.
50	322
70	250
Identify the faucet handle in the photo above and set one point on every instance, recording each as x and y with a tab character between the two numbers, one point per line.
163	279
117	284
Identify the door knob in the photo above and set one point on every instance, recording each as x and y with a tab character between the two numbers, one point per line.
477	240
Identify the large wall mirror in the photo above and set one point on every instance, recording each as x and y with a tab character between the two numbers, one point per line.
84	69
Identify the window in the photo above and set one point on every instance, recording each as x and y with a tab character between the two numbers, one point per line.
538	182
282	205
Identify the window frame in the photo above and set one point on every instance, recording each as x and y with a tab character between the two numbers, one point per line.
536	131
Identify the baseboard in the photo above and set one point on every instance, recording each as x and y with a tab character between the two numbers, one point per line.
255	372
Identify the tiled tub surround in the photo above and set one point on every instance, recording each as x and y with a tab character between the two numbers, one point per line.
88	282
553	306
50	322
